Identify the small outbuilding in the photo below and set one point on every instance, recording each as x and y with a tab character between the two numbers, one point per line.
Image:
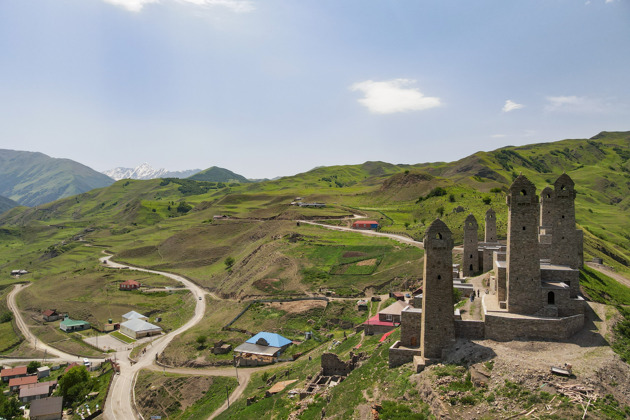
50	315
70	325
43	371
138	328
129	285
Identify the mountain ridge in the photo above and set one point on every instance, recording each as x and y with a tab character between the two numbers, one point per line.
146	171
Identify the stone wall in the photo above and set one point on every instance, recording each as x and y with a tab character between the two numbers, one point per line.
410	327
399	356
474	330
491	226
470	259
506	328
332	365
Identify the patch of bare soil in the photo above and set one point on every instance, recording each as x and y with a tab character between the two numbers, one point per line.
166	395
513	378
371	261
297	306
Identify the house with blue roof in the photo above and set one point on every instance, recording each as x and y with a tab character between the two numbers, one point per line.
261	349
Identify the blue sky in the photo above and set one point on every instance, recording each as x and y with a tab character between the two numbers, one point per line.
277	87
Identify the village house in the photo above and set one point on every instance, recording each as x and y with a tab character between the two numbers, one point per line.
134	315
50	315
36	391
261	349
386	320
70	325
137	328
15	383
50	408
365	224
16	372
129	285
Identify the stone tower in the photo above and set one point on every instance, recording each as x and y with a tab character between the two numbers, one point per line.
438	326
523	262
491	226
470	259
546	209
564	244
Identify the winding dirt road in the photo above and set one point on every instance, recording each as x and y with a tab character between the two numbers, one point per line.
119	403
398	238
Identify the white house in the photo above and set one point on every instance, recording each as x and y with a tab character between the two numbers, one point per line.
137	328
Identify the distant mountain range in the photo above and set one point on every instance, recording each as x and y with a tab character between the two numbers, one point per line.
32	178
6	204
145	171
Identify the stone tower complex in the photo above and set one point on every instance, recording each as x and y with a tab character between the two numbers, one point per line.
470	259
523	262
564	249
491	227
438	327
535	290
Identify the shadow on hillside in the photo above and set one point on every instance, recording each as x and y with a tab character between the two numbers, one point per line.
467	352
589	336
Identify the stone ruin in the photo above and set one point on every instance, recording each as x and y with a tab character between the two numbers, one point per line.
534	293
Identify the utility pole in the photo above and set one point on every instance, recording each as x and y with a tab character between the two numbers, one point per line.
236	368
227	393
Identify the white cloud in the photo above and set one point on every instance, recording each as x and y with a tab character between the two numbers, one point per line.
498	136
511	106
238	6
393	96
131	5
574	104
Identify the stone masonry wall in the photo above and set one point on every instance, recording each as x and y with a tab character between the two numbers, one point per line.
473	330
470	258
505	328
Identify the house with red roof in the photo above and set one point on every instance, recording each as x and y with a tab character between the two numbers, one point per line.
16	372
15	383
365	224
129	285
50	315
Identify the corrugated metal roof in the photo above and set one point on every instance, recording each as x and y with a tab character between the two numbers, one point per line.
133	315
73	322
46	406
272	339
257	349
138	325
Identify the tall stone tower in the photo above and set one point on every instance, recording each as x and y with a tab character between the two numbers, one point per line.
523	263
438	326
564	242
470	259
546	208
491	226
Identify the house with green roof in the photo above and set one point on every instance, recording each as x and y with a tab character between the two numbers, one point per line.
70	325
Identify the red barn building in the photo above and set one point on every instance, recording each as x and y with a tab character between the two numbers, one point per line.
365	224
129	285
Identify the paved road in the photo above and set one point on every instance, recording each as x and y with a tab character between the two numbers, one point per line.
398	238
119	402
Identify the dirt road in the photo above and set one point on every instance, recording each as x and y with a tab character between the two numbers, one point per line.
398	238
119	403
28	335
610	273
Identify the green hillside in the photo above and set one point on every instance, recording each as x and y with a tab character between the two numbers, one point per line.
216	174
6	204
32	178
169	223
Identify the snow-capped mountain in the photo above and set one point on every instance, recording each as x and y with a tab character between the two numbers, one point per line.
145	171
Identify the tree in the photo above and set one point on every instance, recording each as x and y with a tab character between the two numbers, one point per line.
74	385
451	198
229	262
10	408
440	211
184	207
32	366
201	340
486	200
